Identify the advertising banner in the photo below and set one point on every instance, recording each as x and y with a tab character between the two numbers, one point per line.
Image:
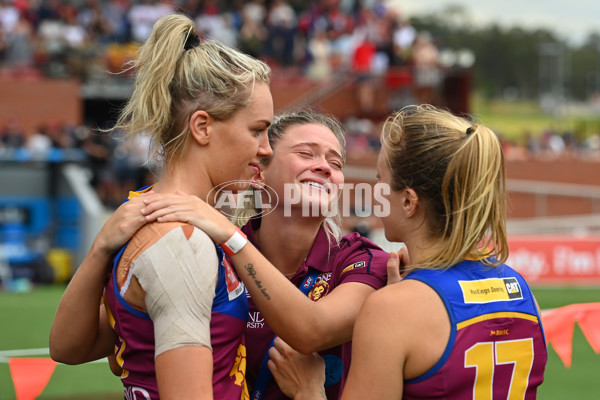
556	260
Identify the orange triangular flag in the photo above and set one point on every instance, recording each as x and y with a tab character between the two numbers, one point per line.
30	376
590	326
558	327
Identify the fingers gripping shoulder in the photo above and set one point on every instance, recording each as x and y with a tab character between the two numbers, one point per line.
179	275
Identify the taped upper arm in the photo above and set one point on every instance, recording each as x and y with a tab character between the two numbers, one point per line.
179	274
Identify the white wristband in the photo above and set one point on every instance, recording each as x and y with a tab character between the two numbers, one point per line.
235	243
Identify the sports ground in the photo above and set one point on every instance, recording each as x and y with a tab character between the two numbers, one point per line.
27	318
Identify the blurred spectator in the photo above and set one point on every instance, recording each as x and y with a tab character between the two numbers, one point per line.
143	15
9	16
427	72
320	50
128	166
362	62
114	17
75	39
3	50
92	19
532	144
210	20
552	144
223	29
253	32
339	27
254	11
19	50
59	136
281	24
38	143
11	135
403	39
99	147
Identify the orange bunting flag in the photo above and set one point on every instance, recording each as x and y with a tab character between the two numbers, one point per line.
559	324
30	376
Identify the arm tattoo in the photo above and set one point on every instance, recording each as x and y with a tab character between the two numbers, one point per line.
252	273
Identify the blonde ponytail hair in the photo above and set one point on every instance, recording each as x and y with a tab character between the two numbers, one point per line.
173	82
457	170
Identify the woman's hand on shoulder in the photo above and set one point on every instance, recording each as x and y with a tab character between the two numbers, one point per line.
397	261
122	225
189	209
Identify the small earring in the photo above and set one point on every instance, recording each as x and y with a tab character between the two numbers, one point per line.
257	185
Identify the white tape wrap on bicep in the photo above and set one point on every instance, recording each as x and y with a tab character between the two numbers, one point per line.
179	276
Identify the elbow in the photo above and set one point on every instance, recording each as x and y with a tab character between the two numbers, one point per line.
306	348
60	356
64	354
308	342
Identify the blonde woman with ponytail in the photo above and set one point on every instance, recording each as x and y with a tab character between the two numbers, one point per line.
461	324
175	306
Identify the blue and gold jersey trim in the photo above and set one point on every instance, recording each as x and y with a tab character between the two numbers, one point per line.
505	314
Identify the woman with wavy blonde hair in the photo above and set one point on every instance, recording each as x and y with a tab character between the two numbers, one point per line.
176	308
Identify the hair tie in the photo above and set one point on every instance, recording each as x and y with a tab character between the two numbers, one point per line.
470	130
191	41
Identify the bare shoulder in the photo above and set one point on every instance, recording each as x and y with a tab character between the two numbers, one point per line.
403	305
409	323
401	294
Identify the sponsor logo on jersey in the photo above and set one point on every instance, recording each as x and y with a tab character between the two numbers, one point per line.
234	287
324	277
136	393
255	320
513	288
491	290
308	281
359	264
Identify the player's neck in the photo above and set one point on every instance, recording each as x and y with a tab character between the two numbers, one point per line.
286	244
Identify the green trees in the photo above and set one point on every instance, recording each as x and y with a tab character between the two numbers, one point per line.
518	62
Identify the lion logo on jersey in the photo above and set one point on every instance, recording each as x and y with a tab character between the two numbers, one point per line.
320	289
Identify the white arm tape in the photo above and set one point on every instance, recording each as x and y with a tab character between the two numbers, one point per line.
179	276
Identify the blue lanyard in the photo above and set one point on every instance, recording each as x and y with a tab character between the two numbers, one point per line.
264	375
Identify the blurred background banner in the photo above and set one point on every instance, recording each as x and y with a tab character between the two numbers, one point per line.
556	259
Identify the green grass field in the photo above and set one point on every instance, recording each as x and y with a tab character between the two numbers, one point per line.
27	318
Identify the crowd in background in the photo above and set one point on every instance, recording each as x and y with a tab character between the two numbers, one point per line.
83	37
90	39
117	165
